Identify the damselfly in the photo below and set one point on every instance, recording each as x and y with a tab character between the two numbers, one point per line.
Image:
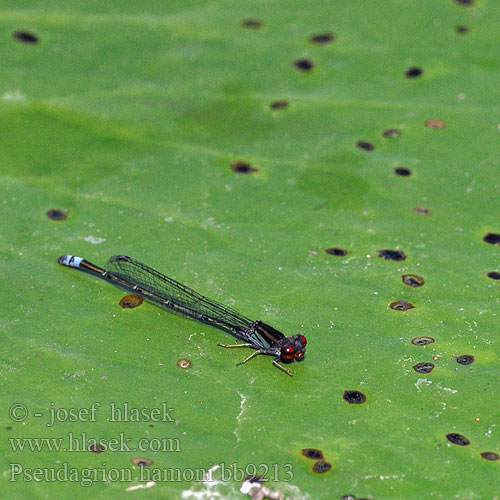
131	275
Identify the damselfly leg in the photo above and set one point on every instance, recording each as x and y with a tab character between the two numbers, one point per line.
256	353
281	367
235	345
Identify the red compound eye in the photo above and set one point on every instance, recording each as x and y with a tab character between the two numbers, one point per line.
287	353
303	339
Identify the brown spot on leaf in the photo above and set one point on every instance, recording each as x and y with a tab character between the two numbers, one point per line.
279	104
321	466
322	38
422	211
422	340
365	145
242	167
435	124
131	301
184	363
402	171
338	252
97	448
412	280
392	254
354	397
391	133
25	37
423	367
56	214
142	461
312	453
465	359
458	439
414	72
251	23
492	238
303	64
401	305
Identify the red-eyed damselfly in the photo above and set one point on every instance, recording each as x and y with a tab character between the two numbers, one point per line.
131	275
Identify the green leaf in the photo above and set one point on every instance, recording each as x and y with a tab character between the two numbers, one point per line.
128	117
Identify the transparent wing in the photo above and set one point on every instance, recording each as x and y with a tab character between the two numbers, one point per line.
191	302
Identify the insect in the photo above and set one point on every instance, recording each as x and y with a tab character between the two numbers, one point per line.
131	275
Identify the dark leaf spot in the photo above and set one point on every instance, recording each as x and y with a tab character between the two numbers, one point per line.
436	124
464	3
392	254
279	105
422	340
490	455
25	37
366	146
457	439
131	301
414	72
354	397
401	305
97	448
254	478
321	466
338	252
465	359
404	172
412	280
142	461
494	275
422	211
184	363
242	167
8	428
322	38
312	453
391	132
303	64
423	367
251	23
492	238
461	29
56	214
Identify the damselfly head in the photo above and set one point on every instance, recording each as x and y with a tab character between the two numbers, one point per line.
293	348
